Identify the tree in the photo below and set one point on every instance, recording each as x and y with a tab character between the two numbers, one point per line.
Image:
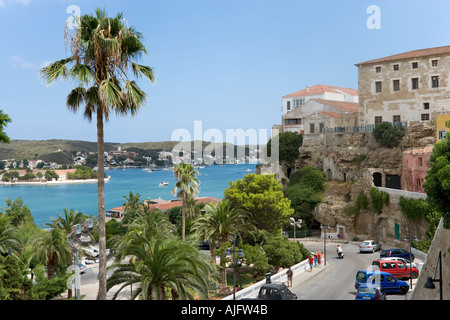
185	188
17	212
388	135
262	198
103	49
4	120
289	143
437	184
217	224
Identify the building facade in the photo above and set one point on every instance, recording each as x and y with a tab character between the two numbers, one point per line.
411	86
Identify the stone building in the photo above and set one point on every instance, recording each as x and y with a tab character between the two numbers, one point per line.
411	86
415	167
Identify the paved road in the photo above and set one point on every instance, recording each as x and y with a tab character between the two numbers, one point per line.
337	280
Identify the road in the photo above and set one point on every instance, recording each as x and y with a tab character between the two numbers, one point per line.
337	280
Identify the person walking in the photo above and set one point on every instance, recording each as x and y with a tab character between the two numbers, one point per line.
290	275
311	263
319	255
315	259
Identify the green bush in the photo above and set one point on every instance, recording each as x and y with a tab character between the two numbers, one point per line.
361	203
379	198
388	135
308	177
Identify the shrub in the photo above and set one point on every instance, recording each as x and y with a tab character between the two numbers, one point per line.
379	198
388	135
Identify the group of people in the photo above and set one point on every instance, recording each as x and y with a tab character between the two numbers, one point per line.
315	259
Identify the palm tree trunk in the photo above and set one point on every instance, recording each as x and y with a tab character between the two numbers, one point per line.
183	220
101	208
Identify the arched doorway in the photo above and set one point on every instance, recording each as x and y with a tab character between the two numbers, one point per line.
377	179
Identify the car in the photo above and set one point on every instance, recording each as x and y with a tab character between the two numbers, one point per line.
385	280
367	292
407	262
83	268
275	291
397	268
369	246
397	252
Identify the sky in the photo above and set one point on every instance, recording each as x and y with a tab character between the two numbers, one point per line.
219	65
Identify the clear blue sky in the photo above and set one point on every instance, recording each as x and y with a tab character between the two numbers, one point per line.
225	63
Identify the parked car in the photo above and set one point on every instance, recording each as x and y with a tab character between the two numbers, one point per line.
83	268
385	280
397	268
275	291
396	252
407	262
366	292
369	246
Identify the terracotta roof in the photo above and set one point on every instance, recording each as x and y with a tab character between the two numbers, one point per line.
331	114
172	204
411	54
320	89
340	105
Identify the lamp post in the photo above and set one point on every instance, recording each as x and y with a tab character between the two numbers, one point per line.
240	254
429	284
325	241
295	223
410	254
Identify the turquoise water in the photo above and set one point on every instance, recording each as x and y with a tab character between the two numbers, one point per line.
45	201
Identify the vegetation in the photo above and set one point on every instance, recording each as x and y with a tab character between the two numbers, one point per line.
362	202
379	199
289	143
103	50
4	120
388	135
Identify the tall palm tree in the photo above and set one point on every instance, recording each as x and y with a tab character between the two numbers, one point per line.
9	238
218	224
50	246
103	49
71	217
186	188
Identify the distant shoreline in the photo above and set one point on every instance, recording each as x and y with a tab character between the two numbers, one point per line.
51	183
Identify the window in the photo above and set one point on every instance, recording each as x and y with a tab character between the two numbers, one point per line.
293	121
434	63
415	65
321	127
420	161
311	128
288	105
396	67
396	118
298	102
426	105
415	83
396	85
425	116
378	86
378	119
435	82
441	134
377	69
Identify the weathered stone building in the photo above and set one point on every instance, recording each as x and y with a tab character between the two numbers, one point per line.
411	86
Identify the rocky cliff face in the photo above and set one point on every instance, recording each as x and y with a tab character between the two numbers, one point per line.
350	160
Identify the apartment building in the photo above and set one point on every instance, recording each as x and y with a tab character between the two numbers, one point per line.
411	86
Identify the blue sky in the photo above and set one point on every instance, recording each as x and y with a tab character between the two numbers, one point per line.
225	63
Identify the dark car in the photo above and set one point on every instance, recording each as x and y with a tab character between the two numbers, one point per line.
366	292
386	281
396	252
275	291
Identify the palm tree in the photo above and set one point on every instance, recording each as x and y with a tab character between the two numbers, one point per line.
103	49
71	217
50	246
219	222
187	187
9	238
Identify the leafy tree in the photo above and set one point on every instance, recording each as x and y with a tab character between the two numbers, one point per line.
289	143
262	198
185	188
388	135
4	120
14	282
17	212
437	184
9	237
44	288
282	253
104	49
309	177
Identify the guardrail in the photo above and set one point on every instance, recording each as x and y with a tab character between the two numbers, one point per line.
252	291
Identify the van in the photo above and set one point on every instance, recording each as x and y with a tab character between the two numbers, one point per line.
386	281
397	268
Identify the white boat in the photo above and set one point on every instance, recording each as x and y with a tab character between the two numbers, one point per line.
163	184
248	170
147	169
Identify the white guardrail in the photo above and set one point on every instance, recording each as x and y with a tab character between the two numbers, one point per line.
253	290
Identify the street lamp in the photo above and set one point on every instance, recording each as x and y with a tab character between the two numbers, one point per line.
410	254
295	223
429	284
240	255
325	242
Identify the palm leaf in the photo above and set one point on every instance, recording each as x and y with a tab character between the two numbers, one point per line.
57	69
146	71
82	73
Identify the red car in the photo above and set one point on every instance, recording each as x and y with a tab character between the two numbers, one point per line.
397	268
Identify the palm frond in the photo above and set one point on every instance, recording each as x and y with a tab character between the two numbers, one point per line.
146	71
54	71
110	92
82	73
75	98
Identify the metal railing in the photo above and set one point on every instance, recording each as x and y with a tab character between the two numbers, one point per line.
356	129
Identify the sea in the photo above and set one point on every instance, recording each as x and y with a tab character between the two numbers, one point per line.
45	201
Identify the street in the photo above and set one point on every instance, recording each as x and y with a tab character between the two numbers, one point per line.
337	280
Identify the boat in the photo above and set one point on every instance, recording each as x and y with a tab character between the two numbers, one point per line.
147	169
249	170
163	184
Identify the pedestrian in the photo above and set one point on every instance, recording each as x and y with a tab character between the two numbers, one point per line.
319	254
315	259
289	277
311	262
